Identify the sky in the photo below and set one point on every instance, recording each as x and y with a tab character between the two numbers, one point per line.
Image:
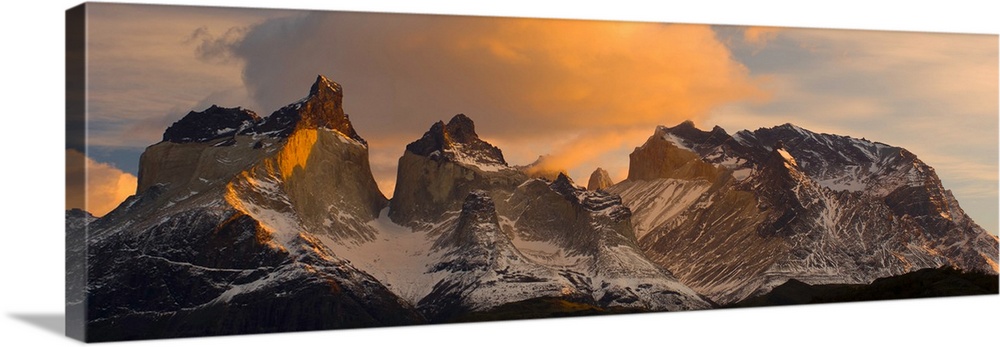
585	93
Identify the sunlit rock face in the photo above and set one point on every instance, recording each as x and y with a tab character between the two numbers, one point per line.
786	203
437	172
599	180
660	157
226	228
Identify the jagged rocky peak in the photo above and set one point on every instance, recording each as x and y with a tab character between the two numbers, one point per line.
213	123
461	129
457	141
322	109
563	183
606	203
439	169
691	136
599	180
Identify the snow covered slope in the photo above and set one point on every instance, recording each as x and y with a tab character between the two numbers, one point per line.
789	203
531	238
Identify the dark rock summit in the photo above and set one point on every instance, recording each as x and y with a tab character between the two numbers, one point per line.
213	123
323	108
437	171
457	141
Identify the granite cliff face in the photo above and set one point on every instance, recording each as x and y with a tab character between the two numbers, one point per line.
440	169
238	217
224	229
599	180
543	239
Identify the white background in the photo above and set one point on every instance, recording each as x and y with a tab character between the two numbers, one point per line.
32	195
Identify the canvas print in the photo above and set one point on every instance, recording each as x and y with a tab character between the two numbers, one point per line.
242	171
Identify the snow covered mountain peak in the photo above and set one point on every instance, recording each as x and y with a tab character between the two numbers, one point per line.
820	208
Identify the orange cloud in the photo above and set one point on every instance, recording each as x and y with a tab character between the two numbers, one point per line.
583	93
585	74
580	156
535	83
105	186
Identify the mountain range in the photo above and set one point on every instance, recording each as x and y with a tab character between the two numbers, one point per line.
249	224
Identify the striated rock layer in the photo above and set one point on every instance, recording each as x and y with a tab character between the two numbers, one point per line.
734	216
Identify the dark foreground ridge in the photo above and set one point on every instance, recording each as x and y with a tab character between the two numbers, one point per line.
924	283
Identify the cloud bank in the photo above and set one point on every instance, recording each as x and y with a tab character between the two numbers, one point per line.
104	188
571	89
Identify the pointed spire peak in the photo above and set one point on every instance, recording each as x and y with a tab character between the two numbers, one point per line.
563	185
599	180
322	109
563	179
213	123
325	85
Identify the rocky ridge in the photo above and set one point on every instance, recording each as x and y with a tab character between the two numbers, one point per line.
238	217
789	213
